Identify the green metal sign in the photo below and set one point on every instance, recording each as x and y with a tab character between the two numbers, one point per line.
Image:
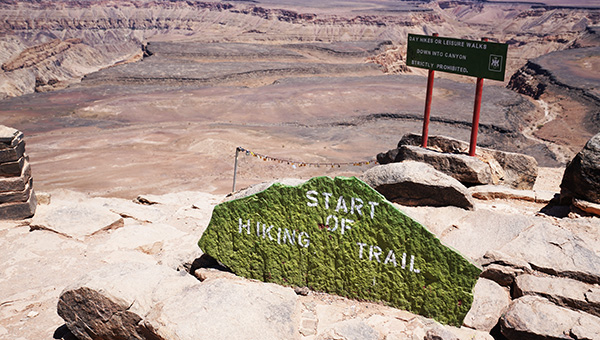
482	59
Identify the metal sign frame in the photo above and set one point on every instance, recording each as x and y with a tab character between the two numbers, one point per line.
481	59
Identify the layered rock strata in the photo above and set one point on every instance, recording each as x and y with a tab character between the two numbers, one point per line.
565	84
17	199
449	156
552	274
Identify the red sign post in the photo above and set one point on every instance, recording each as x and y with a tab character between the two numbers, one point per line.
476	110
427	112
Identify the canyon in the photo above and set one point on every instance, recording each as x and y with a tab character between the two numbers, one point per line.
169	80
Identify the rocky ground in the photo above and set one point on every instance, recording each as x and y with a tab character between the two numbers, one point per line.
75	238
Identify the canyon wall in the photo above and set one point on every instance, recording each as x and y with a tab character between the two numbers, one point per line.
47	45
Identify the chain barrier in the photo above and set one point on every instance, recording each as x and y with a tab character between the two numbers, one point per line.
302	164
293	163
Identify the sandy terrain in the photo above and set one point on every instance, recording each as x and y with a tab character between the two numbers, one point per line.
158	141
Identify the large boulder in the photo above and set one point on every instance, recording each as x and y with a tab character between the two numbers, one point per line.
415	183
341	236
135	301
507	168
464	168
582	175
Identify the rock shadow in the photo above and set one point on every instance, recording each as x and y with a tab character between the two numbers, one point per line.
64	333
555	208
207	261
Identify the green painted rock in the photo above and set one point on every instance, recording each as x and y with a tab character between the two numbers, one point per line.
341	236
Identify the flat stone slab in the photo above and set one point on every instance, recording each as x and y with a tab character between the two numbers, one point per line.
556	251
11	184
75	219
588	207
8	135
18	210
532	317
13	169
472	233
341	236
561	291
350	329
12	153
490	192
17	196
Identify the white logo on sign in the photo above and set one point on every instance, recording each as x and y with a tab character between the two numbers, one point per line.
495	63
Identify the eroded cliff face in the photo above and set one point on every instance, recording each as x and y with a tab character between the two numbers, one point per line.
51	44
565	85
46	61
56	64
528	80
